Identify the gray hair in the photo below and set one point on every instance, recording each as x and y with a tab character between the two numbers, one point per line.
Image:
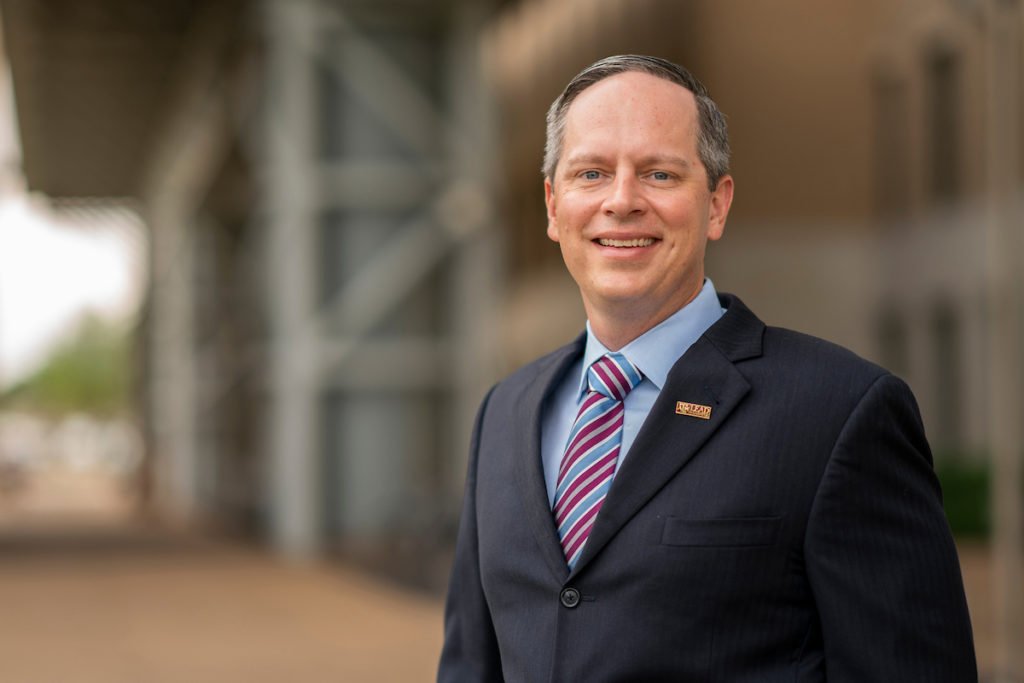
712	135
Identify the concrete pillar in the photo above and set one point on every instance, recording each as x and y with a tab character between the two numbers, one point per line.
192	145
171	383
477	266
288	181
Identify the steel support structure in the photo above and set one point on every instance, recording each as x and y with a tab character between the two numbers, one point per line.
380	252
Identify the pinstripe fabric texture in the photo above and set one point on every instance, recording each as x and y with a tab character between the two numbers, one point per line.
587	468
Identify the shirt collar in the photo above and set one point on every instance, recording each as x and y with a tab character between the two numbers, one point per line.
657	350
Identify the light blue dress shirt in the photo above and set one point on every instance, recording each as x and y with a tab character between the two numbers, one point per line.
653	353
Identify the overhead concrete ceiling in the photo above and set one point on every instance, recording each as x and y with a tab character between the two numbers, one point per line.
91	80
94	79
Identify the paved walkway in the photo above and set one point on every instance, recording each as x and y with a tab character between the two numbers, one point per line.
91	598
112	605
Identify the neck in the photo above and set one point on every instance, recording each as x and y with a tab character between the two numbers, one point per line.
617	325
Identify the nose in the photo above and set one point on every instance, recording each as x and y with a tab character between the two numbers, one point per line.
625	197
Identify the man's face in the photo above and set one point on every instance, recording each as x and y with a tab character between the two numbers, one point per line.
629	204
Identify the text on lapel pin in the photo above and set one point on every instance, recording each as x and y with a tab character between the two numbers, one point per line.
693	410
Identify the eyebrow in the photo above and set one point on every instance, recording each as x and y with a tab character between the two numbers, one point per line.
654	159
577	159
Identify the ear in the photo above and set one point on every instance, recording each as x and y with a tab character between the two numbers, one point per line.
549	201
720	201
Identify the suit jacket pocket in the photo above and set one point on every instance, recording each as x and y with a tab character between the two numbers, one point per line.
726	532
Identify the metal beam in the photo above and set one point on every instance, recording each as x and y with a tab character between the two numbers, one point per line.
392	364
375	184
372	75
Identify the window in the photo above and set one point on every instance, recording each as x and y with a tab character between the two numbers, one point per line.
892	154
943	125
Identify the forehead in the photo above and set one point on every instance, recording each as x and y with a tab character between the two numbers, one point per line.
632	103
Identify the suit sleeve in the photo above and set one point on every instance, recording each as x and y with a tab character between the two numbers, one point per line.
470	652
880	556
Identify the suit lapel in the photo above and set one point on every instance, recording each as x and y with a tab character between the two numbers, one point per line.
528	465
704	375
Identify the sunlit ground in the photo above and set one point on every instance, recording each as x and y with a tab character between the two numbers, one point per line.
91	594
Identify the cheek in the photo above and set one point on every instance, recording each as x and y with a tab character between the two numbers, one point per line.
687	232
571	254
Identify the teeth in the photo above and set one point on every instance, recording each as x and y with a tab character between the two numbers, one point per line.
639	242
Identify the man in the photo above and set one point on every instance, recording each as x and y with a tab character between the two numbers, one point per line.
685	494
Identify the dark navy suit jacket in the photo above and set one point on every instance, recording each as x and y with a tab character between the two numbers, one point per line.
796	535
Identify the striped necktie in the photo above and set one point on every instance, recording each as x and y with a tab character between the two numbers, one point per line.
588	465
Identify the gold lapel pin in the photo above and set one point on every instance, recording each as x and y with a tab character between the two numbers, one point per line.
693	410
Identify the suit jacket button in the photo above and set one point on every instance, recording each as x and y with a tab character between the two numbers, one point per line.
570	597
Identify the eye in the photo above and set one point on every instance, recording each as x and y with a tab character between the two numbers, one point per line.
590	175
660	175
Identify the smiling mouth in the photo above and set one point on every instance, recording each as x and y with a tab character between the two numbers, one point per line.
626	244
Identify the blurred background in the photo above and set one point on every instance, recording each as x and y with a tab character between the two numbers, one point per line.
260	260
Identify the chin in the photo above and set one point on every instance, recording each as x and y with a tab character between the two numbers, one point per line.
621	296
622	286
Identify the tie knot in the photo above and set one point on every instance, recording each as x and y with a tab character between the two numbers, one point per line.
612	375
